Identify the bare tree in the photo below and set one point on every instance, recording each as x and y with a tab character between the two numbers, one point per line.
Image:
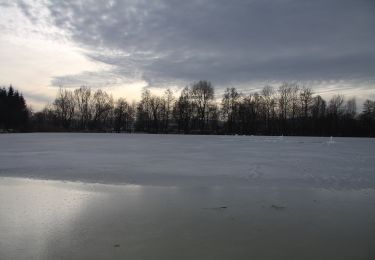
157	109
230	108
294	100
368	117
183	110
168	102
318	107
268	94
249	113
64	107
143	117
123	116
83	98
369	107
306	97
351	107
213	117
284	100
102	107
202	94
335	107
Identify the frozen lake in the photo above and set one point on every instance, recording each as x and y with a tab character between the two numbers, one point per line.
111	196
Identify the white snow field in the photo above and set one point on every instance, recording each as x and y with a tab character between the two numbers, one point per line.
135	196
345	163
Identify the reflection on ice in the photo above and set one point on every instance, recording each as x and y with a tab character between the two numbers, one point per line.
34	212
57	220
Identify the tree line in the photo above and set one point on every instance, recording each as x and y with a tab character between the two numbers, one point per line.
14	113
289	109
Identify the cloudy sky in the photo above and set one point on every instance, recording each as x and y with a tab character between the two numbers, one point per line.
125	45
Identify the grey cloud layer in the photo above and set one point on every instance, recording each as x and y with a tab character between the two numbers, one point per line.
224	41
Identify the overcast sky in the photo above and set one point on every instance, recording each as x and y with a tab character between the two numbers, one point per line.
123	46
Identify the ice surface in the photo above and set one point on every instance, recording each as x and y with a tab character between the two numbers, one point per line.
168	160
42	220
186	197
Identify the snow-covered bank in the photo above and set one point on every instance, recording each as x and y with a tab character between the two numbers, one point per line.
341	163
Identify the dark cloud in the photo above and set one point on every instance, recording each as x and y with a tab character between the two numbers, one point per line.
224	41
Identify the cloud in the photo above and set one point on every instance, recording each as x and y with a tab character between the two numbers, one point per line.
228	42
97	79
